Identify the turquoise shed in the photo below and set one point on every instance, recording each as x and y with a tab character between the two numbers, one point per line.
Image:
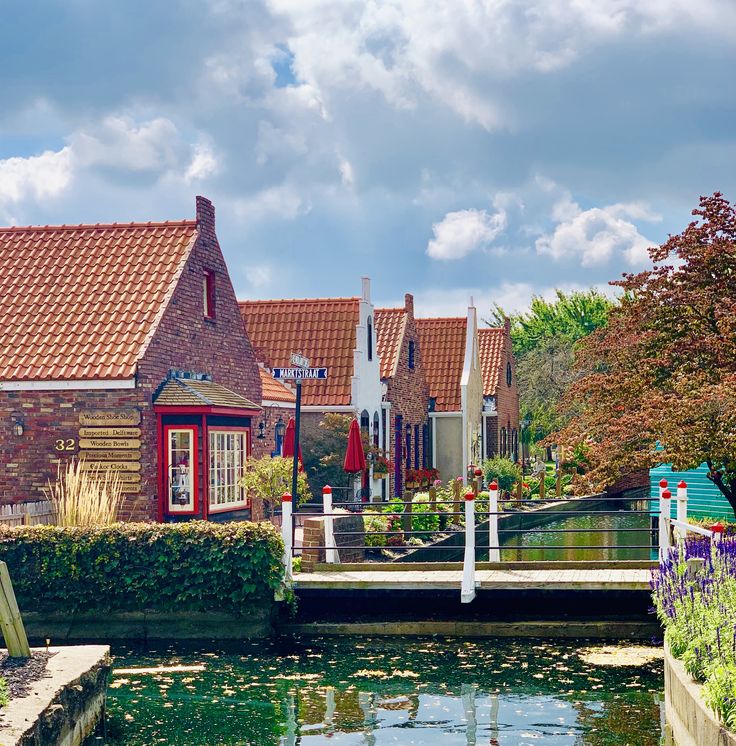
704	499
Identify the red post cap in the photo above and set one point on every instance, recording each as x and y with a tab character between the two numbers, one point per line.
666	494
682	485
327	490
718	528
663	483
286	497
470	495
493	485
479	472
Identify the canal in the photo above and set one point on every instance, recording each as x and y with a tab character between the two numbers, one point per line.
376	691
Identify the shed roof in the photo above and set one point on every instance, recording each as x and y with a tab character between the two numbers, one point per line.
187	392
274	390
322	329
80	302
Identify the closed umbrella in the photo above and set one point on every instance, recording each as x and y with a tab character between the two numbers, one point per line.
289	437
354	456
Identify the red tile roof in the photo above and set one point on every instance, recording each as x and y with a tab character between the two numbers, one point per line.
390	325
491	341
79	302
274	390
442	342
322	329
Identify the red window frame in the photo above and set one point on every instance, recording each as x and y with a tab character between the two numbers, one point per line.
194	466
212	508
209	294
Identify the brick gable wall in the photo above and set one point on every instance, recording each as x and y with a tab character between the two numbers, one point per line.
507	405
183	340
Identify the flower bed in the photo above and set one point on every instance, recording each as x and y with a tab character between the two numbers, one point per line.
698	611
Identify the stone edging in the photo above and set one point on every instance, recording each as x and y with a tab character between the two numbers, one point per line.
689	720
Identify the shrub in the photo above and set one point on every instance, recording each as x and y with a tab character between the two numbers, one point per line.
4	692
503	470
269	477
83	497
374	522
134	566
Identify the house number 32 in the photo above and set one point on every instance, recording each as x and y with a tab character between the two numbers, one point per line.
65	444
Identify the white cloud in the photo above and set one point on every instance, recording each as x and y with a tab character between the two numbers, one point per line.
346	173
280	202
460	233
597	235
203	163
259	275
39	176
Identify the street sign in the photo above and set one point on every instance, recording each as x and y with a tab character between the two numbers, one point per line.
300	374
299	361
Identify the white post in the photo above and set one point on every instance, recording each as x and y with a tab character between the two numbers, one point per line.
682	509
286	533
331	556
494	553
664	525
718	530
467	589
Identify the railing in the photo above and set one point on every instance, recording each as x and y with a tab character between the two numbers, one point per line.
460	517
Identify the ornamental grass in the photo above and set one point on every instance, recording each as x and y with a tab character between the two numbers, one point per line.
698	611
84	497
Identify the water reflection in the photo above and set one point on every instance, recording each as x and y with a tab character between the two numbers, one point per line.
385	691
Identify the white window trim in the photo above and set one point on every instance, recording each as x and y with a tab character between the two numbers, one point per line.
175	507
214	507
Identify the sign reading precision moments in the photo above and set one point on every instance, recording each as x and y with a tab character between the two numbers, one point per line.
110	440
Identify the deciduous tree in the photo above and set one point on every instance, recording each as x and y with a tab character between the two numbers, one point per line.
663	371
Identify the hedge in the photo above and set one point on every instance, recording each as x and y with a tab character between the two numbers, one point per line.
194	566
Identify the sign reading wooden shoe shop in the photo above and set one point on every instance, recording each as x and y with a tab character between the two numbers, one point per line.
128	353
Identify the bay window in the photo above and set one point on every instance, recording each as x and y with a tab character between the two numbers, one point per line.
227	456
181	468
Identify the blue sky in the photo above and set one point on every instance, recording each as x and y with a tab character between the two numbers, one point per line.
495	149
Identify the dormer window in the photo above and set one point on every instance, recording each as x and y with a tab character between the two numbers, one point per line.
411	354
370	338
208	294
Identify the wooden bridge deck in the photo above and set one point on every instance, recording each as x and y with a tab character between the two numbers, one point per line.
598	579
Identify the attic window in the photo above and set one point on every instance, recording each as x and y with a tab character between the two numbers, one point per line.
411	355
208	290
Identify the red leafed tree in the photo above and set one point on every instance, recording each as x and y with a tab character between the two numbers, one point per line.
664	368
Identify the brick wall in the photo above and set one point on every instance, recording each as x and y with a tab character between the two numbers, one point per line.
636	480
270	417
184	340
408	392
350	548
507	399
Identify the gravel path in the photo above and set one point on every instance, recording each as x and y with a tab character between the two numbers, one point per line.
21	673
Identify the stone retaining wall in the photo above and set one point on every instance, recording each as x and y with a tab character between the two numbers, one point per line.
689	721
349	547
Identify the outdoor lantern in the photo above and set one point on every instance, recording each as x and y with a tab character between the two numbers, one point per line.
17	426
280	429
261	428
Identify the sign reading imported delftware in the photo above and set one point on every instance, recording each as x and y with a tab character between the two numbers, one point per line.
109	432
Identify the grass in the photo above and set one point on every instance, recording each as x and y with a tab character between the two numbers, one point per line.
4	692
83	497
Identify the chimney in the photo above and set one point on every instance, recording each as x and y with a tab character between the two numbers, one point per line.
366	288
507	324
409	304
205	214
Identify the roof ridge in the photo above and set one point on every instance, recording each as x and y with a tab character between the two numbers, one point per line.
98	226
295	300
398	309
491	329
441	318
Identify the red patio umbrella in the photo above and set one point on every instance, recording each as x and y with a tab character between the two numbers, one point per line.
289	437
354	456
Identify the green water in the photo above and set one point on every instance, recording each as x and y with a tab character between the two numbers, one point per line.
433	692
578	534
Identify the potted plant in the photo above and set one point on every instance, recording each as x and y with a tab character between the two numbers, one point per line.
381	467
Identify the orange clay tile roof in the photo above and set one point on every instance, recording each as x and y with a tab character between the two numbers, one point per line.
79	302
186	392
390	325
490	351
322	329
442	342
274	390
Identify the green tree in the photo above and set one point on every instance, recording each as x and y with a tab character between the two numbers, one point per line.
270	477
324	452
544	339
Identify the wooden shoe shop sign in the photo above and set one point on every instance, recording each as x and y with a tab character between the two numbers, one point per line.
110	440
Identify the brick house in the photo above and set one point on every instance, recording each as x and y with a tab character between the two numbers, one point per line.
406	393
335	333
500	393
450	357
279	404
123	345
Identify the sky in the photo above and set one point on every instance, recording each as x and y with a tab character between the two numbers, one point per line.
488	148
